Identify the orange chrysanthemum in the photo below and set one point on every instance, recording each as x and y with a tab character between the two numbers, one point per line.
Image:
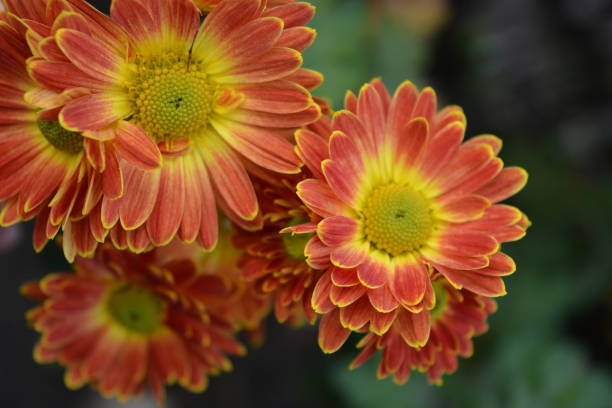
47	171
124	321
457	317
212	96
400	196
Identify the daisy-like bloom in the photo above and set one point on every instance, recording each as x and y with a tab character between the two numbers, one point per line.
46	170
400	195
124	322
211	95
457	317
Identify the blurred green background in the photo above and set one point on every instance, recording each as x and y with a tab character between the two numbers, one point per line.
539	75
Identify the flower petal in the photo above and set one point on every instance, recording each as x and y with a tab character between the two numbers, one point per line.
230	179
344	296
92	112
338	230
262	146
141	190
318	197
409	282
508	182
462	208
344	277
89	55
414	327
166	217
485	285
456	241
135	146
331	333
349	255
382	299
375	271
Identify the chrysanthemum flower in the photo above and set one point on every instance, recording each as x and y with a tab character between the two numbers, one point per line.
457	317
124	322
46	170
211	96
400	195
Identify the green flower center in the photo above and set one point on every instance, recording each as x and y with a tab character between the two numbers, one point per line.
136	309
397	219
296	243
60	138
441	301
171	97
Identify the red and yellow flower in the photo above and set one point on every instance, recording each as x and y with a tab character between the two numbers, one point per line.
400	195
124	322
48	171
212	96
457	317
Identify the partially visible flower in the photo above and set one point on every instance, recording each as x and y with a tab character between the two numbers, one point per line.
401	197
457	317
124	321
211	96
50	172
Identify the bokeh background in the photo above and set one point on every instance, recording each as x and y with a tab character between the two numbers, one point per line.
538	73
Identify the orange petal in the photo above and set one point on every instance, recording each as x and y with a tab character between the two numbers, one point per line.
331	333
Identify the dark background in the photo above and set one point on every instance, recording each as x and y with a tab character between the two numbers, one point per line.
536	73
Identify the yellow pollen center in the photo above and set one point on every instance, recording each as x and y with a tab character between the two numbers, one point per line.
441	301
397	219
296	243
172	98
60	138
136	309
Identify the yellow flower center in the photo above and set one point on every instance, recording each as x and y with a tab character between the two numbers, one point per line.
171	96
397	219
296	243
136	309
60	138
441	301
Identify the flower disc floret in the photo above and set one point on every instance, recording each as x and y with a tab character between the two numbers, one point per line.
172	98
397	219
136	309
60	138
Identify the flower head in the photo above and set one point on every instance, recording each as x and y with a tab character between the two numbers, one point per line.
124	321
456	318
49	171
401	196
211	96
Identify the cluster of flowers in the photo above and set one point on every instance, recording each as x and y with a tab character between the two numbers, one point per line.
138	137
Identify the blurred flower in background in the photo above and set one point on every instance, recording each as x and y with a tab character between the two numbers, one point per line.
126	322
